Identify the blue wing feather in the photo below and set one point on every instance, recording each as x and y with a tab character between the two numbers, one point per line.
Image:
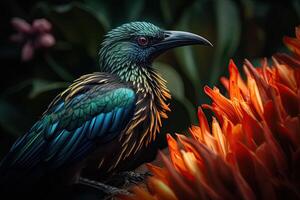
116	120
97	126
106	123
69	130
56	144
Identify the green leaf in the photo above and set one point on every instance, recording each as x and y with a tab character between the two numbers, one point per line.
79	25
194	61
58	69
187	61
174	81
296	5
100	9
228	35
166	10
40	86
114	12
176	86
172	10
185	55
134	8
11	119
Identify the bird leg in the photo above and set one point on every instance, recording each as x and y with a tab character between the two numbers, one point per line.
107	189
129	177
132	177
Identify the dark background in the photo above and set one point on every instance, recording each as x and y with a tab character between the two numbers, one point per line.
238	29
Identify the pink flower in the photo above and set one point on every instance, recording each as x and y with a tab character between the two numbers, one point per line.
33	36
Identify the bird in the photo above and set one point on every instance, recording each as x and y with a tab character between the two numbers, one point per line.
102	118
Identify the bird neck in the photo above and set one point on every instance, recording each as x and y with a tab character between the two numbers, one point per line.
140	77
136	73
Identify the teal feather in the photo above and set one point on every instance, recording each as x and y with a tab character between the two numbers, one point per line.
92	125
56	144
67	127
52	128
106	123
117	118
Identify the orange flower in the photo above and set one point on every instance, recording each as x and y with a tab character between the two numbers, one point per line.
252	149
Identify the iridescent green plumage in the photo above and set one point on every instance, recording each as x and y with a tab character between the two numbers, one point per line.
102	118
94	110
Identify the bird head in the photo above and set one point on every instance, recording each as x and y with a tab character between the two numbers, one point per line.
139	43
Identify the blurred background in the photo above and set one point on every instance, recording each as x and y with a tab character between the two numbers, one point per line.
31	76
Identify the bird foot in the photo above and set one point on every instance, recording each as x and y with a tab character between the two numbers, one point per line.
110	191
132	177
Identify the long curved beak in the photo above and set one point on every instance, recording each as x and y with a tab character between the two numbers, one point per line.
177	39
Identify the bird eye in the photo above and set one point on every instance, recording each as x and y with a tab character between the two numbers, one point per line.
143	41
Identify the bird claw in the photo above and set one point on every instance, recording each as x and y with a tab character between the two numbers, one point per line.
132	177
107	189
129	178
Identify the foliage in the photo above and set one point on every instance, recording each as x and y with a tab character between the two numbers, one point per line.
252	149
240	28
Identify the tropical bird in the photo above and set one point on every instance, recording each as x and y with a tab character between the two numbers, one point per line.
105	116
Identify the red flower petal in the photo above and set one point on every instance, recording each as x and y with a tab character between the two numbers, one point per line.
177	183
293	44
45	41
21	25
286	59
27	52
289	99
41	25
234	90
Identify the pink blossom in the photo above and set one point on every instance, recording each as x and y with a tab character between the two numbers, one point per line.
32	36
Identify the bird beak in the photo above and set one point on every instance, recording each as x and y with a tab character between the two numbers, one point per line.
177	39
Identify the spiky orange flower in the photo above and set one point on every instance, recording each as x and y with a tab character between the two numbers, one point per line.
252	149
